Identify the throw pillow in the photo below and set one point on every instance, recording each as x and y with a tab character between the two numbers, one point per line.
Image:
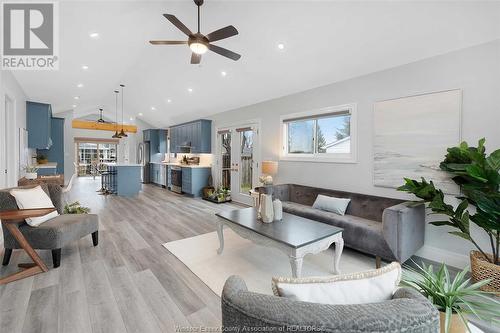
372	286
34	198
331	204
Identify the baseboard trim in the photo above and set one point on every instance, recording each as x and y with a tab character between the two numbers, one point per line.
438	255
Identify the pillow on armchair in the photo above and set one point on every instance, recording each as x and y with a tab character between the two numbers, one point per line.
372	286
34	198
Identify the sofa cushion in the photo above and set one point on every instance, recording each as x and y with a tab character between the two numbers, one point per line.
377	285
331	204
359	233
57	232
33	198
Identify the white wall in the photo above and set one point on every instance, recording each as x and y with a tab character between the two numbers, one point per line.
475	70
10	87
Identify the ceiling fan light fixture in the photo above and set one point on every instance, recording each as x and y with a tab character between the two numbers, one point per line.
198	48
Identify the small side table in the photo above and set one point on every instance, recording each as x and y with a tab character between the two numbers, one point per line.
56	179
11	220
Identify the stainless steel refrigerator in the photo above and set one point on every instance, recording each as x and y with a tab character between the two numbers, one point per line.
143	154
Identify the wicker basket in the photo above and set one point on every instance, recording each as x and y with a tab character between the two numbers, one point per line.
483	269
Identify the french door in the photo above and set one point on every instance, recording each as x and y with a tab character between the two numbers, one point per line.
238	160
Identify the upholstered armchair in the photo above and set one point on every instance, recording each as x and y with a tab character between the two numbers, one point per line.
407	311
52	234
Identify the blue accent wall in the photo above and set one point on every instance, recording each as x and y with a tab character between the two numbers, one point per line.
56	151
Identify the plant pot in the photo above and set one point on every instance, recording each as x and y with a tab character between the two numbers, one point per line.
456	325
31	175
482	269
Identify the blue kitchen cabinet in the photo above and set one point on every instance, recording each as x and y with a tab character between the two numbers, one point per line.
194	180
48	171
169	177
56	151
38	124
162	138
197	134
146	134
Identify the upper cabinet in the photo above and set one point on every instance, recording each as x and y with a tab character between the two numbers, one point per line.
157	139
39	123
56	152
196	136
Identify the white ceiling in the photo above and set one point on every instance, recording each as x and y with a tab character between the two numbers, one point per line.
324	42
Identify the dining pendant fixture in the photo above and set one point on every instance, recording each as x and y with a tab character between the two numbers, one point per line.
122	133
116	135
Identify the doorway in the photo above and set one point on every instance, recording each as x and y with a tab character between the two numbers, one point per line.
238	160
6	143
93	155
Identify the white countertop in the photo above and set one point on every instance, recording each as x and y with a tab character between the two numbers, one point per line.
193	166
124	164
50	165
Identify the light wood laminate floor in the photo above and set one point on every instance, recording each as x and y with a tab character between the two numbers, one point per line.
130	282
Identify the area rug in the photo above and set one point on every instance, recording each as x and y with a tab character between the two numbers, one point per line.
254	263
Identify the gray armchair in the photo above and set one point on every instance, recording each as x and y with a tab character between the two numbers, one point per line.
53	234
407	312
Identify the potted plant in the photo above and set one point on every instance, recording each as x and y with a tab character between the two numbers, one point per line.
41	159
455	299
31	172
478	176
75	208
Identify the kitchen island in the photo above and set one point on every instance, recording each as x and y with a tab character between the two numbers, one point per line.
124	179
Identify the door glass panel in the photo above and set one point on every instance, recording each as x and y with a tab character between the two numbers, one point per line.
225	141
246	163
91	155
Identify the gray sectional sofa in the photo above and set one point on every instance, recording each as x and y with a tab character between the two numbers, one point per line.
386	228
244	311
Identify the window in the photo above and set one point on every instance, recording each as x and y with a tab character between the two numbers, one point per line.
321	135
94	152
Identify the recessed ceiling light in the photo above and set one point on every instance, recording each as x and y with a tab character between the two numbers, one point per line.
85	67
76	97
140	113
223	73
80	85
153	108
169	101
74	106
281	46
190	89
131	119
94	35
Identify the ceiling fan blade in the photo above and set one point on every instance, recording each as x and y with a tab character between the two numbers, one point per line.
167	42
175	21
195	58
224	52
226	32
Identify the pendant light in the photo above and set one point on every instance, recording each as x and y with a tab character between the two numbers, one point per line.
122	133
116	135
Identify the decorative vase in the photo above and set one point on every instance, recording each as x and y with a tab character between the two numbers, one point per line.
278	210
456	325
482	269
31	175
266	208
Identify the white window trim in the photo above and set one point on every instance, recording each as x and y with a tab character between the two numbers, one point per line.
322	158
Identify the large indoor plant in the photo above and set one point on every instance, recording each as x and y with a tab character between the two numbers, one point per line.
454	298
478	176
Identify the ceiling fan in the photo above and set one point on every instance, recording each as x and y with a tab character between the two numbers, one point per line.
101	119
199	43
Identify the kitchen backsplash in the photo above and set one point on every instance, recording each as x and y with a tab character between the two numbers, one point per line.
205	159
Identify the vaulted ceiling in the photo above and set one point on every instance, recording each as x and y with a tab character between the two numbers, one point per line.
324	42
